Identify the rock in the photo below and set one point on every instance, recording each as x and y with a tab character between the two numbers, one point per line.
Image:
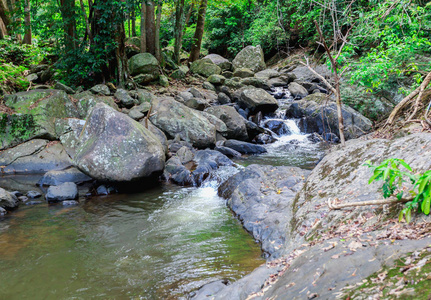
197	103
220	61
305	74
69	203
196	93
297	90
185	96
250	57
243	73
185	155
34	157
133	152
32	77
288	77
63	87
175	118
208	86
145	78
68	131
253	129
2	211
222	98
163	81
36	112
46	75
234	83
205	67
144	63
277	126
104	190
100	89
244	147
59	177
236	128
322	118
216	79
227	151
264	138
144	96
124	98
86	101
197	170
268	73
157	132
7	200
179	73
219	124
33	194
256	82
62	192
257	100
276	82
135	113
261	197
227	74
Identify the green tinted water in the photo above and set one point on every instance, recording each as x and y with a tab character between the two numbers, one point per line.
160	244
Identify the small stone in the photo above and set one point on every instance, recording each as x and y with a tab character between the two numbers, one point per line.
223	98
216	79
124	98
100	89
33	202
243	73
208	86
33	194
70	203
64	191
163	81
23	198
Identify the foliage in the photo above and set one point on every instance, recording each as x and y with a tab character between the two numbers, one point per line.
393	178
12	77
16	126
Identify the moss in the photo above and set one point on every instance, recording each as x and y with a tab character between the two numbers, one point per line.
19	127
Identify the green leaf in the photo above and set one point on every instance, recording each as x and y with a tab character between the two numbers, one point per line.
386	173
403	163
426	205
401	215
408	215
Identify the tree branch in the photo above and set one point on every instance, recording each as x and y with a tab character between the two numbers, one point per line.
333	206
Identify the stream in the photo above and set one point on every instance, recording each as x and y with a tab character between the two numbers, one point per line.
160	244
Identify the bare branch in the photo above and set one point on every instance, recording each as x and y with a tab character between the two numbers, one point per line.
333	206
320	77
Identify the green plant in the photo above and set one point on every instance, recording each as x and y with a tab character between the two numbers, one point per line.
393	178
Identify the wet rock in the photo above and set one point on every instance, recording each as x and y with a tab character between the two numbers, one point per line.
62	192
174	119
277	126
59	177
7	200
250	57
227	151
185	155
100	89
104	190
244	147
133	152
257	100
23	198
70	203
33	194
235	123
2	211
264	139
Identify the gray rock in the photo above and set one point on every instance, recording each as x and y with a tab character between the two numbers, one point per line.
322	117
104	190
144	96
256	82
145	78
185	155
7	200
157	132
227	74
250	57
297	90
124	98
220	61
244	147
227	151
175	118
275	82
197	103
305	74
2	211
62	192
205	67
70	203
135	114
34	157
223	98
68	131
185	96
208	86
85	101
163	81
257	100
59	177
236	128
100	89
63	87
219	124
268	73
32	77
178	74
196	93
33	194
243	73
115	148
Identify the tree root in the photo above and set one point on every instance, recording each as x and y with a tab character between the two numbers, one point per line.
333	206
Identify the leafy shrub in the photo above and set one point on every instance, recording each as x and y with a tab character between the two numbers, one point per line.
12	78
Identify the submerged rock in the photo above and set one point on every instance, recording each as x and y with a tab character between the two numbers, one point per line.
62	192
115	148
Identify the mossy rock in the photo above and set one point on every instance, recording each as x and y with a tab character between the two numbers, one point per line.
85	101
36	112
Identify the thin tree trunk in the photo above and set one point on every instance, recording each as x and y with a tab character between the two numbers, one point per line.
178	30
150	27
143	29
3	30
133	19
67	9
27	23
87	24
200	26
157	33
4	15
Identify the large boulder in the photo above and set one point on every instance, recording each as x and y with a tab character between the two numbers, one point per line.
34	157
36	112
236	128
85	101
321	117
256	100
115	148
68	131
144	64
250	57
297	90
244	147
205	67
220	61
176	119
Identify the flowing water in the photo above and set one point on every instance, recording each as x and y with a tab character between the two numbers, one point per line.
160	244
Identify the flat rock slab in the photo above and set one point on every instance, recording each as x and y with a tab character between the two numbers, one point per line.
62	176
262	198
62	192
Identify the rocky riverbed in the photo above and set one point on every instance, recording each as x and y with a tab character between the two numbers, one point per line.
107	140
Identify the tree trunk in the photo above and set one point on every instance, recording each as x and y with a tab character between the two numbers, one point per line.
4	16
150	27
3	30
87	24
200	26
178	30
133	19
143	29
157	33
27	22
121	55
67	9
